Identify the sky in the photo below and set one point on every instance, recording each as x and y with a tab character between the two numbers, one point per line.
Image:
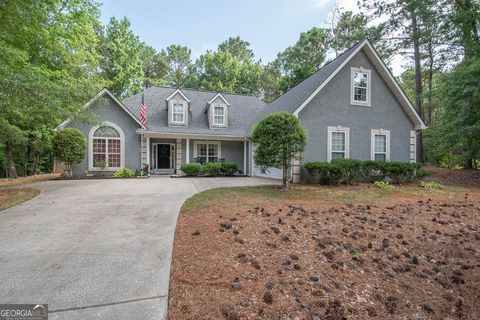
269	25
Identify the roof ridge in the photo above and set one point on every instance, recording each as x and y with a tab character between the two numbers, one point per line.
204	90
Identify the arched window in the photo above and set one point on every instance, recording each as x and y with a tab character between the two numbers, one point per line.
107	145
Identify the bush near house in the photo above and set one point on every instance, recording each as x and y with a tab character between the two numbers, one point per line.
212	168
191	169
229	168
351	171
123	173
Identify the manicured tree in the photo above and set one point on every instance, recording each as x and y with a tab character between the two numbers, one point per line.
278	137
69	146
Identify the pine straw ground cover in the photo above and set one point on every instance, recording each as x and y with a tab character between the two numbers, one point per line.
327	253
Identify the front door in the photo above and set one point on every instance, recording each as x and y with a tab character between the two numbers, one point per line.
163	156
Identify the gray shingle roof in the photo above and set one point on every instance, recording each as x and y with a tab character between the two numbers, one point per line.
293	98
241	112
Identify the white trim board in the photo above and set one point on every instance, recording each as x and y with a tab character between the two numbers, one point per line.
387	77
98	95
332	129
90	147
375	132
175	92
218	95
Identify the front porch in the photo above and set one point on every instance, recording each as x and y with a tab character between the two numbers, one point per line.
165	153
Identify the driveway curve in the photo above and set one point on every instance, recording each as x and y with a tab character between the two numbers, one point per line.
97	248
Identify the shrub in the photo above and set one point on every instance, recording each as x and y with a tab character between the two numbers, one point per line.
138	172
191	169
327	173
123	173
229	168
383	185
431	185
400	172
373	170
69	146
352	170
422	173
212	168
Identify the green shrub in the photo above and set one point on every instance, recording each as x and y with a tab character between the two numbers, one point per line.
383	185
229	168
191	169
138	172
352	170
69	146
422	173
431	185
373	170
326	173
400	172
123	173
212	168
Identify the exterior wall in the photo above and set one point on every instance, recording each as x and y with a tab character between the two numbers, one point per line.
331	107
107	110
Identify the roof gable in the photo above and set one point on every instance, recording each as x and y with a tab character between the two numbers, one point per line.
179	92
297	98
219	95
102	93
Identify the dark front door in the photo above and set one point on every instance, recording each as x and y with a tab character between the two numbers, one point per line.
163	156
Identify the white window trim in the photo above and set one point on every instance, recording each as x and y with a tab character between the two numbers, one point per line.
369	87
90	147
184	105
218	143
332	129
375	132
224	107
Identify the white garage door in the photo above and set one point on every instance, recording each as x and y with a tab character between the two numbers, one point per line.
272	173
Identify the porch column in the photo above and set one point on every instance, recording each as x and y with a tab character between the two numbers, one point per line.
245	157
143	150
178	151
187	151
296	169
148	154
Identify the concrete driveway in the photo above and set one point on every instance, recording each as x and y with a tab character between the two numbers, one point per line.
97	248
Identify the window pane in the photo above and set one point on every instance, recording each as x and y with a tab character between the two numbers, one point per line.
338	141
106	131
114	160
380	157
338	155
113	146
218	115
380	143
201	149
360	84
177	111
213	150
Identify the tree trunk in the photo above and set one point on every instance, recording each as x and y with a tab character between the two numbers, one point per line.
11	170
418	82
30	157
430	81
285	178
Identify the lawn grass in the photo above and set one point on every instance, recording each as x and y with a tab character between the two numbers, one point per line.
265	195
10	182
13	197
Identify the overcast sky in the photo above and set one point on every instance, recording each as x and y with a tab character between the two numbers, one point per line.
269	25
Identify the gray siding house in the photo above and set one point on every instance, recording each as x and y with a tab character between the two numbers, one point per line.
351	108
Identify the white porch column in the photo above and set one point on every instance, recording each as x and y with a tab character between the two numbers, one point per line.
143	150
187	151
178	151
148	154
245	157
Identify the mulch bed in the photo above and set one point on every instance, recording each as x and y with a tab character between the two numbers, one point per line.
409	260
463	177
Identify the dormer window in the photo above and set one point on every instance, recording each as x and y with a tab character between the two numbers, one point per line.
178	112
219	115
217	110
177	105
360	87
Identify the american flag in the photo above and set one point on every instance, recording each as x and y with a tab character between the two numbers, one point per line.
143	110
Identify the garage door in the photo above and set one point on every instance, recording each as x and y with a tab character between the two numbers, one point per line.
272	173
